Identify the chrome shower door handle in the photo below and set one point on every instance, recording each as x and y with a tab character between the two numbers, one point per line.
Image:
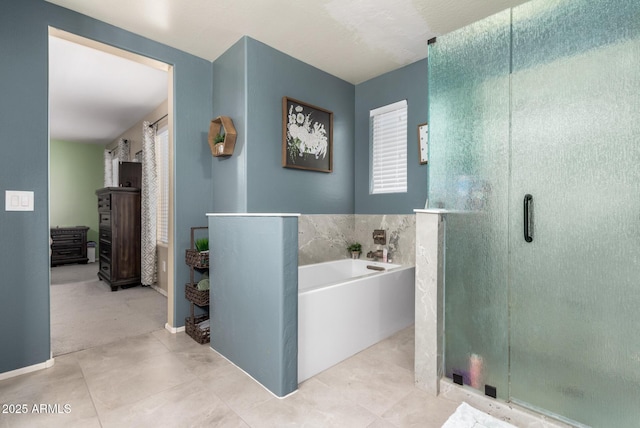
528	217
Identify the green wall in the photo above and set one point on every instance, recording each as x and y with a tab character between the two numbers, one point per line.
76	171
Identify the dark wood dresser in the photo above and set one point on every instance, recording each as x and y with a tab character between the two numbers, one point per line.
68	245
119	224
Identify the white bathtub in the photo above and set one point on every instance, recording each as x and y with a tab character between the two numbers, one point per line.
344	307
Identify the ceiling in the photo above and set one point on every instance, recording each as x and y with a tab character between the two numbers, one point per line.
354	40
95	96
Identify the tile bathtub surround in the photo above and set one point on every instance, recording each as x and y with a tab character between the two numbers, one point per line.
401	235
429	295
325	237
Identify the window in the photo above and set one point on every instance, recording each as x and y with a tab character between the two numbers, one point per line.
162	159
389	148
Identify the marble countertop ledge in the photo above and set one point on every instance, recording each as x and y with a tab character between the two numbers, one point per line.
442	211
431	211
253	215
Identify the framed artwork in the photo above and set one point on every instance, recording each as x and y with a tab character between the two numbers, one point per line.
307	136
423	143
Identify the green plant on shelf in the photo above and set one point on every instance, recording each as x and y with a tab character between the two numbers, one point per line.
202	244
219	138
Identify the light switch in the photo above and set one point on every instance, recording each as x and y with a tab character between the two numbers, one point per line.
17	200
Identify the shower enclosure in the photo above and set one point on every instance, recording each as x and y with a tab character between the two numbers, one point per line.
534	117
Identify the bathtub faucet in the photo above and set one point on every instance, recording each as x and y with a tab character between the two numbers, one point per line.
374	254
380	236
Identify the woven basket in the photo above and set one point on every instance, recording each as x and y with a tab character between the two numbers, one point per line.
199	297
196	259
197	334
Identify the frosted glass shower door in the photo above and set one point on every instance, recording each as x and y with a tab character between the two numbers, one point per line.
468	176
575	288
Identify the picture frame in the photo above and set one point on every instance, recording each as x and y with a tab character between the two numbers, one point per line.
423	143
307	136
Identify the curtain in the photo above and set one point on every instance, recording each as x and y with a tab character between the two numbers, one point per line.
148	202
121	153
108	168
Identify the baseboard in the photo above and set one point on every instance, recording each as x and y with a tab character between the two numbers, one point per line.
173	330
29	369
254	379
159	290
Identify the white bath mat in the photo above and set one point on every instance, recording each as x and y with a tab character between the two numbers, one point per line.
466	416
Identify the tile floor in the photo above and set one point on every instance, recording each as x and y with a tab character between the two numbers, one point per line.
165	380
88	314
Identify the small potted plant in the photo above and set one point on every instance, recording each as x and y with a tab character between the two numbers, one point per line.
218	142
355	249
199	257
202	244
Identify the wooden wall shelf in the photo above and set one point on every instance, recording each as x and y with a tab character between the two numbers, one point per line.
226	147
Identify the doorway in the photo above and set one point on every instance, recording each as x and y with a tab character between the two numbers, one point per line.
77	312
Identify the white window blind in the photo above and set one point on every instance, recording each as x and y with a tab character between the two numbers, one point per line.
389	148
162	155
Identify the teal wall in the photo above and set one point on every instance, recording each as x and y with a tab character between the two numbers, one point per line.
229	99
76	171
272	188
410	83
24	165
254	312
250	81
252	78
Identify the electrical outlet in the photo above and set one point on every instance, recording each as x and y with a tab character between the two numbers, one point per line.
164	266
